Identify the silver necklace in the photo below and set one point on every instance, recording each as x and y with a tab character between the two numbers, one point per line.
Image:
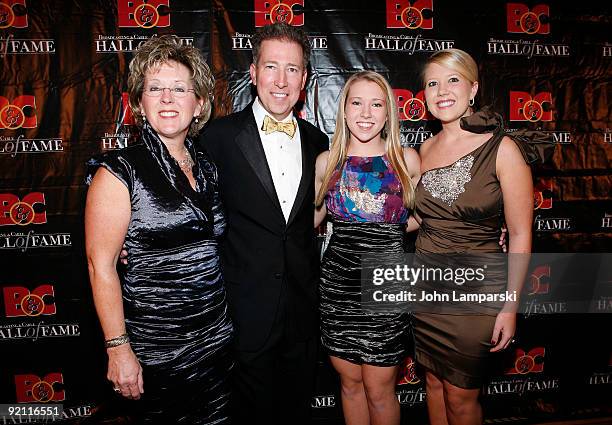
185	164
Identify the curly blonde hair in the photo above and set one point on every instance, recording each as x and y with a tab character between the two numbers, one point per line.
163	49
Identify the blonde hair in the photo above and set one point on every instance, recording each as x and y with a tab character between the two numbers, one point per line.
455	59
390	134
160	50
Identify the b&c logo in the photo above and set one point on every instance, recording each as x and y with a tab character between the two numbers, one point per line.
407	374
539	280
29	210
288	11
410	14
411	106
527	362
143	14
543	194
524	107
31	388
20	301
21	112
520	19
13	14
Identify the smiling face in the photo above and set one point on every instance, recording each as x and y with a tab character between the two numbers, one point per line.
447	92
365	111
279	76
170	116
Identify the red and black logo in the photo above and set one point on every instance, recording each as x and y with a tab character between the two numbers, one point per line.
31	388
412	14
13	14
20	301
524	107
29	210
411	106
288	11
521	19
143	14
543	194
527	362
539	280
21	112
407	373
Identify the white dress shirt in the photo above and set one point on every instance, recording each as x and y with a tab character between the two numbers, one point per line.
284	156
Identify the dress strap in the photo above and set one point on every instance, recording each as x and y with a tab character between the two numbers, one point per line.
535	146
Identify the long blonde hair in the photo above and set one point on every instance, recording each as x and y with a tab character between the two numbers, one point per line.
390	134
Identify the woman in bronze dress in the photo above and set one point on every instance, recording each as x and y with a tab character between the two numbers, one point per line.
473	178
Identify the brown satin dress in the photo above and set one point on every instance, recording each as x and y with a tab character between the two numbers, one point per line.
461	209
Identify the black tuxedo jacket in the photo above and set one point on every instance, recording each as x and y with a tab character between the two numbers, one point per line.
260	253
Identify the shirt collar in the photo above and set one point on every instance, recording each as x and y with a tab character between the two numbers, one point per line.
260	113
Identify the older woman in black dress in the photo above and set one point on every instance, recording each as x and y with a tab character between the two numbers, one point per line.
164	320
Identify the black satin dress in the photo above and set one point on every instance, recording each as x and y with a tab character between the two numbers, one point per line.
173	294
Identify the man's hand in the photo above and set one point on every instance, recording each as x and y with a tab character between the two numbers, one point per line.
123	256
502	241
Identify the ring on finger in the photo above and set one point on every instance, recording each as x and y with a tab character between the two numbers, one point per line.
117	390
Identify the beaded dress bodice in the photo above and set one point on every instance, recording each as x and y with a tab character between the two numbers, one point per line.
366	189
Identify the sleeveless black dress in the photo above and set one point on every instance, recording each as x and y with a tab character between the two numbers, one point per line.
173	294
366	208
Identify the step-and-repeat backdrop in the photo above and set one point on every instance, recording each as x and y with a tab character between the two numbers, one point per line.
63	80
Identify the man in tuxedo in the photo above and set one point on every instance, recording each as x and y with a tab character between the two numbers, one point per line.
266	157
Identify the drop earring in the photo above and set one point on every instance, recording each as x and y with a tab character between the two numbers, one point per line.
471	102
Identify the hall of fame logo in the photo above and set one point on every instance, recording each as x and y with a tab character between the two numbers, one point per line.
13	14
530	23
409	14
523	20
31	388
287	11
532	108
20	301
143	14
22	212
17	113
524	375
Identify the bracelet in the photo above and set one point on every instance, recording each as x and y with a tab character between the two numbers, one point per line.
114	342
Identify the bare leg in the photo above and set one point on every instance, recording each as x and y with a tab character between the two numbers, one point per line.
379	385
436	406
462	405
354	401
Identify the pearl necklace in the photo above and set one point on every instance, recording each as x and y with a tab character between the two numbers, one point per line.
185	164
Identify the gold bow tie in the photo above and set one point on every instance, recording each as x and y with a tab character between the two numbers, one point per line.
270	126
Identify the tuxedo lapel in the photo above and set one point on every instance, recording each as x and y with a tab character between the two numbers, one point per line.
308	165
249	142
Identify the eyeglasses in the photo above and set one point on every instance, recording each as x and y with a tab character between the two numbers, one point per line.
176	91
